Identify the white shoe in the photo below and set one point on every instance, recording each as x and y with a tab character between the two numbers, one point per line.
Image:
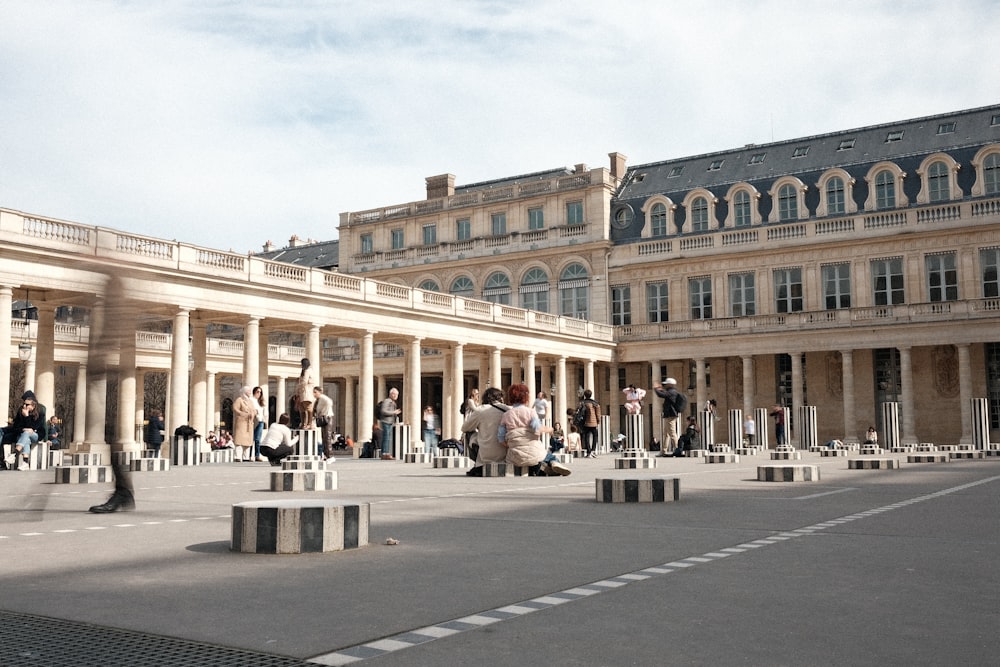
556	468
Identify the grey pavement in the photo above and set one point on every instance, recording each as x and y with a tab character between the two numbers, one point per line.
864	567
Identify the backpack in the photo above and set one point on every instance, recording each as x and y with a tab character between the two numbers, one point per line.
680	403
465	406
580	417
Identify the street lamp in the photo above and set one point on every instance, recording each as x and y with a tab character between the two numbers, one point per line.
24	347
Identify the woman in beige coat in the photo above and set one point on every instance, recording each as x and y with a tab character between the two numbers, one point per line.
244	414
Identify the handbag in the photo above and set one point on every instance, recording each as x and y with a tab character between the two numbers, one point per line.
321	422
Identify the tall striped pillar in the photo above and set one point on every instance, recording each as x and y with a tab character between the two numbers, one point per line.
634	432
763	423
735	428
706	422
980	415
890	425
806	426
604	435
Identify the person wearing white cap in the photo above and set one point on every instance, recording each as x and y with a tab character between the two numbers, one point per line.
674	403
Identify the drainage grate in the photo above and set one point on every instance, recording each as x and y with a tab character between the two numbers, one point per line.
39	641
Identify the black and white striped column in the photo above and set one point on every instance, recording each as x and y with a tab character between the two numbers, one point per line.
308	442
890	425
735	428
400	440
706	422
299	526
761	421
807	427
604	435
634	432
186	451
980	415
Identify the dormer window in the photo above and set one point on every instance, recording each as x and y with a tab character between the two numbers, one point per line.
716	165
800	151
895	135
757	158
946	128
676	171
846	145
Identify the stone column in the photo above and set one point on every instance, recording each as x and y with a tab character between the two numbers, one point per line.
701	390
349	421
264	372
516	370
589	379
496	376
748	394
366	398
965	393
97	382
484	374
140	405
29	369
615	399
251	352
908	433
529	372
45	355
80	404
656	376
559	400
6	305
314	352
847	375
200	409
212	407
181	350
796	398
411	388
458	388
125	431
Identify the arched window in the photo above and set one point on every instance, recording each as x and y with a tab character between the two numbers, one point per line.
991	173
535	290
835	202
574	292
497	288
429	286
885	190
788	203
741	209
699	214
938	182
658	220
462	286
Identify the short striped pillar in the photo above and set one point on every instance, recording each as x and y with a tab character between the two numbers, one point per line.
736	428
148	465
890	424
308	443
633	463
641	490
788	473
980	415
39	459
186	451
83	474
928	457
86	459
604	435
706	422
763	424
872	464
304	480
634	428
400	441
451	462
806	427
497	470
299	526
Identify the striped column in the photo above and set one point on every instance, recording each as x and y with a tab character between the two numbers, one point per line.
706	422
890	425
400	440
762	420
186	451
735	428
299	526
980	415
807	426
634	438
604	435
308	442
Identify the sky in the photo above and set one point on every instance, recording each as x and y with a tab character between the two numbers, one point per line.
228	123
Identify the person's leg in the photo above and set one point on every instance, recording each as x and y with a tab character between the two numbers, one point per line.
258	433
386	439
327	432
123	499
554	466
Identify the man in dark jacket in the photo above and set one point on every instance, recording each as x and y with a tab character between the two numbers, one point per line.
673	406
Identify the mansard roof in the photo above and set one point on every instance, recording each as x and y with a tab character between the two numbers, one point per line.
322	255
515	180
858	148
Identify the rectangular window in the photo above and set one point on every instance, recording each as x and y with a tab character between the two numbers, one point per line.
621	305
989	263
657	303
788	290
463	229
742	295
430	234
536	219
846	145
887	281
715	165
757	158
837	286
498	224
574	213
801	151
946	128
942	277
536	300
700	295
675	172
835	204
896	135
367	246
397	239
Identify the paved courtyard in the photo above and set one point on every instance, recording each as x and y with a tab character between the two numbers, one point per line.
863	567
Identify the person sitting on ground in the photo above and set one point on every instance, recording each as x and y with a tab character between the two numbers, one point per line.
519	430
278	441
223	441
484	422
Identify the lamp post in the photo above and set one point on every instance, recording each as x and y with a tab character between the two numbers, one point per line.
24	347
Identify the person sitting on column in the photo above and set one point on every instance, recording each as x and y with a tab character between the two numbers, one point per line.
388	413
303	392
323	409
519	431
633	399
871	436
278	441
244	414
54	433
28	427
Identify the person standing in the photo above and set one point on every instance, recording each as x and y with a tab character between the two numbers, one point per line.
588	418
778	413
388	413
432	430
541	406
323	409
303	392
674	403
471	403
153	433
749	430
259	423
244	414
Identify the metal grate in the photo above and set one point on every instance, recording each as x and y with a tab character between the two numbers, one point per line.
39	641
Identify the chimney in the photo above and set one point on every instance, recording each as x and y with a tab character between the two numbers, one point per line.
269	246
294	242
440	186
579	169
617	165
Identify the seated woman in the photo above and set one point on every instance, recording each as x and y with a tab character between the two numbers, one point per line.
278	441
29	425
573	442
54	434
519	430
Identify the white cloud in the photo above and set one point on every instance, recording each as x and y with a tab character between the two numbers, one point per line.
228	124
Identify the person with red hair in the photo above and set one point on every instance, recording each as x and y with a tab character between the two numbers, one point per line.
519	431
